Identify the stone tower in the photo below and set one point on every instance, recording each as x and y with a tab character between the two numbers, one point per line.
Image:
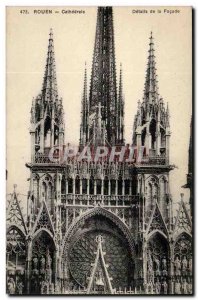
102	226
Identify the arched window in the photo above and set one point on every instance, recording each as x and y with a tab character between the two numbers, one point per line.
84	186
44	190
63	185
91	186
77	185
143	136
152	130
98	186
163	138
120	186
106	186
70	185
127	186
113	186
47	132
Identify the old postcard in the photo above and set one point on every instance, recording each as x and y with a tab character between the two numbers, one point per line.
99	151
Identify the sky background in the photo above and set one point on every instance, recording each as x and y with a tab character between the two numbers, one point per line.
27	41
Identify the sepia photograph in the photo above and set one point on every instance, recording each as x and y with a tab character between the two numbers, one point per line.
99	150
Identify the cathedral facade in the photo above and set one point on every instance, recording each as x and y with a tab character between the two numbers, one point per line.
105	225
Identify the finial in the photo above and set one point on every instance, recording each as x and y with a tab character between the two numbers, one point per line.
51	32
15	186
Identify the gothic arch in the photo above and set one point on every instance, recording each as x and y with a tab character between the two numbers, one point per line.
182	246
47	231
187	234
43	260
16	257
12	226
156	231
97	211
80	241
152	178
157	261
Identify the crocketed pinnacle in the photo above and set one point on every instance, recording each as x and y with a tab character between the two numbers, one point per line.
49	90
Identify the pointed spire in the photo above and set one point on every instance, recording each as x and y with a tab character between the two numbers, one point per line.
120	111
14	214
151	88
49	90
84	111
103	78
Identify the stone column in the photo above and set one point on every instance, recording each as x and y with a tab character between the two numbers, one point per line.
66	186
123	187
74	186
109	187
88	181
28	261
116	187
80	186
95	186
102	187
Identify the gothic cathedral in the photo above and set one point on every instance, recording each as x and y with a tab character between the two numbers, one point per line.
105	226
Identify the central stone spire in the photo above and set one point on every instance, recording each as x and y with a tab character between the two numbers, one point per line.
103	87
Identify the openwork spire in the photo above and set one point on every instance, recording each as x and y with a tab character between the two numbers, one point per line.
49	90
84	112
103	79
120	111
151	124
151	87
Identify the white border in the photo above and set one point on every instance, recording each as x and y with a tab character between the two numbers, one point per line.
3	5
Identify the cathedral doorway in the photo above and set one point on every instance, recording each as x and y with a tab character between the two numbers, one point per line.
157	264
42	264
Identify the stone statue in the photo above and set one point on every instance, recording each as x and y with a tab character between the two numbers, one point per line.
185	287
42	261
177	266
157	286
190	265
189	287
150	269
20	287
177	287
164	264
35	263
51	288
184	266
165	286
157	264
11	286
